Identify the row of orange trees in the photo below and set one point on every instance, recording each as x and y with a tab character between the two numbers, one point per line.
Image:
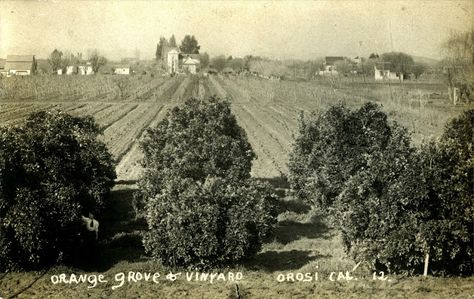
398	207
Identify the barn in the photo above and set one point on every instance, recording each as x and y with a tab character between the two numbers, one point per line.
22	65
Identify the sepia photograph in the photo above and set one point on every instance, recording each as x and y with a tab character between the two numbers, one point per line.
237	149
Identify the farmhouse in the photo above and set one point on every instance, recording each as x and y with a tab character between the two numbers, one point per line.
170	59
122	70
190	64
381	72
22	65
330	65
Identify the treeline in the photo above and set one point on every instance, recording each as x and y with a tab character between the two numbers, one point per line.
398	207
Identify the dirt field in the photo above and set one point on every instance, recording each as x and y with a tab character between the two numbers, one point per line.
268	111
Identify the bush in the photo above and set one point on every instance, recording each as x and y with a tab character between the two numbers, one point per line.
211	224
202	208
332	147
52	170
195	141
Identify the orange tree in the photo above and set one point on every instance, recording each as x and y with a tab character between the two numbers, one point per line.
52	170
202	207
398	207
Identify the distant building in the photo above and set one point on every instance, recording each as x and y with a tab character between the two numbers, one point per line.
382	72
170	59
357	60
330	65
21	65
81	70
122	71
191	65
89	70
71	69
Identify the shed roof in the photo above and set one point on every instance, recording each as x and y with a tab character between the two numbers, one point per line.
190	61
21	58
19	62
332	59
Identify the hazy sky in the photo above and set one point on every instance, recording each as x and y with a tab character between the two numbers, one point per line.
303	30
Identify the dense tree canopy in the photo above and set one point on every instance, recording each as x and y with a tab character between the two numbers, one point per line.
159	47
189	45
52	171
55	60
97	61
399	62
201	206
397	206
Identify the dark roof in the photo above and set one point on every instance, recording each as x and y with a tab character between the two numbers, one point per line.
21	58
383	65
330	60
193	56
20	62
2	63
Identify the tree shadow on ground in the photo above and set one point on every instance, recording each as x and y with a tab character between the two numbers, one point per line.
270	261
277	182
280	184
288	231
120	233
292	205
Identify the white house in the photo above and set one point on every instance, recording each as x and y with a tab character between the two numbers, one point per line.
170	59
81	70
380	73
70	69
330	65
22	65
191	65
89	70
122	71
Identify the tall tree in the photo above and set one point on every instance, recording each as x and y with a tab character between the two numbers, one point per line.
204	58
172	41
159	47
399	62
459	63
189	45
219	62
97	61
55	60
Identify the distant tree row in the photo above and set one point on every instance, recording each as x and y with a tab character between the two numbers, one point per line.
189	45
58	60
